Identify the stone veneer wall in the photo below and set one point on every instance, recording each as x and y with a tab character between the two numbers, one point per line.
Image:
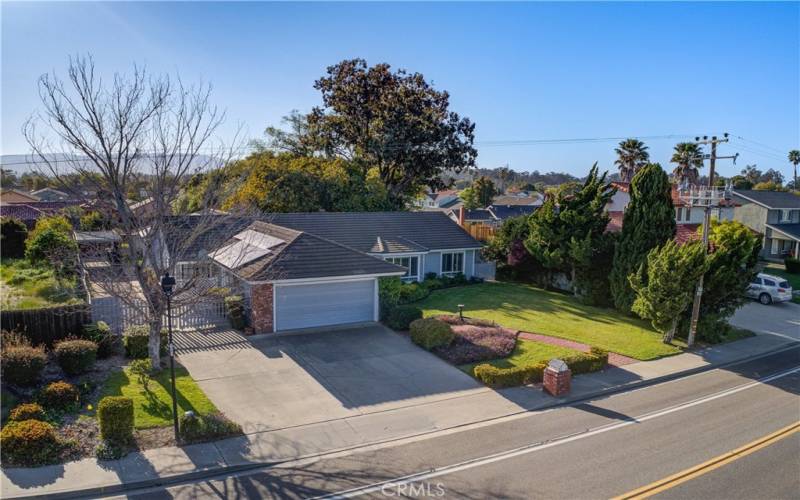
261	297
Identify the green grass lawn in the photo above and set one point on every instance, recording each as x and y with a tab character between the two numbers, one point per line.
153	408
27	286
525	353
780	270
527	308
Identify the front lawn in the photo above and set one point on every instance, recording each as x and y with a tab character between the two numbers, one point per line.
153	407
793	279
28	286
527	308
525	353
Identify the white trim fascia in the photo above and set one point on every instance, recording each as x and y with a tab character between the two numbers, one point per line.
454	249
783	233
328	279
376	304
399	254
274	308
473	263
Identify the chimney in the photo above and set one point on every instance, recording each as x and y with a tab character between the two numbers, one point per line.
461	216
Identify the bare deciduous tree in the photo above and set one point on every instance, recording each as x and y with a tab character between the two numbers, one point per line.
140	136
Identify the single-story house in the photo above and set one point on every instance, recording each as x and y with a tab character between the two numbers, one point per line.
493	215
776	216
305	270
50	194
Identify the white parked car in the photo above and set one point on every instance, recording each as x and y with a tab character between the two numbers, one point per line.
767	289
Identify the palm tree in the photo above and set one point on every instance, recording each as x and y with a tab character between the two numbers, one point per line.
689	157
631	156
794	157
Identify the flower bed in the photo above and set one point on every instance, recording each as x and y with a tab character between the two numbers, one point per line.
475	340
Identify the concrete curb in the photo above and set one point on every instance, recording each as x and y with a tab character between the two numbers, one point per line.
233	469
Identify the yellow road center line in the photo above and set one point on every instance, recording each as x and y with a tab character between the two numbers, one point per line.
710	465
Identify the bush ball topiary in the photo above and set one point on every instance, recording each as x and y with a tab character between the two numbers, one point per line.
108	344
400	317
27	411
136	339
59	396
76	356
115	414
22	365
429	333
29	443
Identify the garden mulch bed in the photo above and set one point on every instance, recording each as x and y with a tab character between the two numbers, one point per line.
614	359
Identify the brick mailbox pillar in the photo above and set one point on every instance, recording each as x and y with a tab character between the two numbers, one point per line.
557	378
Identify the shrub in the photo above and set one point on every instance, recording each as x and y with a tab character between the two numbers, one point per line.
595	360
792	265
115	415
27	411
400	317
136	338
143	371
199	428
60	396
12	235
509	377
412	292
75	356
30	443
22	365
108	344
430	332
478	344
108	450
234	308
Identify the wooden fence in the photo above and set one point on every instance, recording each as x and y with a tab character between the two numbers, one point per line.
47	325
480	232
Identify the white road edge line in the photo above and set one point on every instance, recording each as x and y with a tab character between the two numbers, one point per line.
531	448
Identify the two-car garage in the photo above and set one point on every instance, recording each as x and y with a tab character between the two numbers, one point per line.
309	305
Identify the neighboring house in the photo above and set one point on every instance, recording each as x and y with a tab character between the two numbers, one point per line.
30	212
16	196
493	215
776	216
687	218
318	269
439	199
50	194
522	198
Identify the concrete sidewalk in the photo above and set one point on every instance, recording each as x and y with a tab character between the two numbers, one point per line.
90	477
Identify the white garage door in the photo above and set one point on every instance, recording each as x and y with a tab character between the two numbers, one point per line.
322	304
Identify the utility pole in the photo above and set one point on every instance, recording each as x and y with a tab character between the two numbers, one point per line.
709	202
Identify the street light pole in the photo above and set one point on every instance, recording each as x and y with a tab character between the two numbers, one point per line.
167	283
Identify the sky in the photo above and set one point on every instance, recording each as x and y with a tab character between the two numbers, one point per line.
521	71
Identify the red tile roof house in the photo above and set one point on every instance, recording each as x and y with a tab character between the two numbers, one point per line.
687	218
307	270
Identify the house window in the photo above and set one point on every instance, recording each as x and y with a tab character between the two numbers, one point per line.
688	213
189	270
679	214
786	216
452	263
410	263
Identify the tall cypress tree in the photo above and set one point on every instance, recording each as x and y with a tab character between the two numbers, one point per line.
649	222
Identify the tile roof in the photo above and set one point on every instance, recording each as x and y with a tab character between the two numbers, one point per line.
427	230
503	212
770	199
685	233
615	224
304	255
517	200
477	214
625	187
23	212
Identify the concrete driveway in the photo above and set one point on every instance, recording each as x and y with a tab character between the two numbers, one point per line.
285	381
782	320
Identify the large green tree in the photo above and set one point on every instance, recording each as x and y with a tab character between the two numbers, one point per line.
632	155
688	158
794	159
565	230
664	284
393	121
480	194
732	260
649	222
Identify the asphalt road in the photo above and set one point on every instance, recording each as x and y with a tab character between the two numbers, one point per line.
598	449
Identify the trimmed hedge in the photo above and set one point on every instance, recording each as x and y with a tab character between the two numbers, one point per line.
108	344
200	428
22	365
60	396
136	339
29	443
115	415
430	332
579	363
234	309
27	411
400	317
76	356
792	265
